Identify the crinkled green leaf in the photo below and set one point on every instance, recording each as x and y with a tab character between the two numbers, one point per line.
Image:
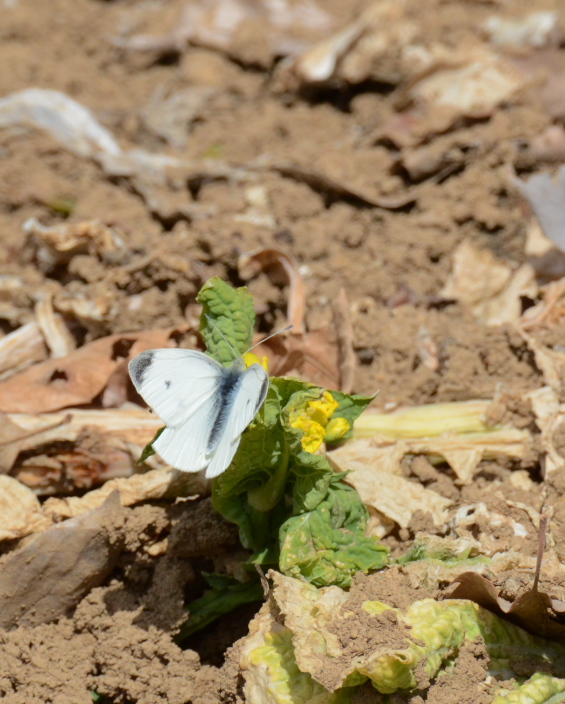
417	644
229	312
446	550
539	689
350	406
148	450
287	387
225	594
262	450
271	673
328	545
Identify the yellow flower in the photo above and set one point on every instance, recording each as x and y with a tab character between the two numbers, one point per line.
336	429
326	405
249	358
312	418
313	433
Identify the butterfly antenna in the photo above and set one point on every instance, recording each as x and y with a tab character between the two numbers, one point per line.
213	323
279	332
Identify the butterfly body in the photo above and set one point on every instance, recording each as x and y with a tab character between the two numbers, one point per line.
206	407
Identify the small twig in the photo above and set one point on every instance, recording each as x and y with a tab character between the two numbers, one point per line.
541	545
264	581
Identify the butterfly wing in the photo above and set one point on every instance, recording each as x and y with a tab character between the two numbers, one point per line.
182	387
251	392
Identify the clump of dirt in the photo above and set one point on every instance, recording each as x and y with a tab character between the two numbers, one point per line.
119	642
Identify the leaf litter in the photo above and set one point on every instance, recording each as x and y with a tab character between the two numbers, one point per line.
459	253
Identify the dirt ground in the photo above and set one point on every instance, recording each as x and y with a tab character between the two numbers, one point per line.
448	186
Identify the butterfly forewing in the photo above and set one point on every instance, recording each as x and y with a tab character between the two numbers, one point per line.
247	399
177	384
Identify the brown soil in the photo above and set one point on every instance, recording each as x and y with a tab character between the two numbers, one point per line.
118	642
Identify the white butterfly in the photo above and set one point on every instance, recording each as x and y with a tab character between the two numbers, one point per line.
205	406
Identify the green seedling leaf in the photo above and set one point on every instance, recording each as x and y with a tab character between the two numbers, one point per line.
327	545
227	320
225	595
148	450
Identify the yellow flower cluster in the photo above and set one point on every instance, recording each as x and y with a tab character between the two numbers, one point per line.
315	420
249	358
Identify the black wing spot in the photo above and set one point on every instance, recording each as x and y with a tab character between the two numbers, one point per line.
168	383
142	364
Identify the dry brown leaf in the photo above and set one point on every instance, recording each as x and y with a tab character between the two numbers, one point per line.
489	286
47	577
21	348
77	378
532	610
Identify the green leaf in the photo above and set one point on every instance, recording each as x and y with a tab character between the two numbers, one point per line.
225	595
262	452
328	545
227	320
287	387
148	450
350	406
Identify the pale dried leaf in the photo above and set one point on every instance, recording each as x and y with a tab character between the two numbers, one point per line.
550	362
58	243
546	194
466	518
473	84
536	29
550	417
375	474
20	349
56	334
156	484
489	286
20	511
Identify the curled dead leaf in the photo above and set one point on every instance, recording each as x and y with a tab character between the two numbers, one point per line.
532	610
